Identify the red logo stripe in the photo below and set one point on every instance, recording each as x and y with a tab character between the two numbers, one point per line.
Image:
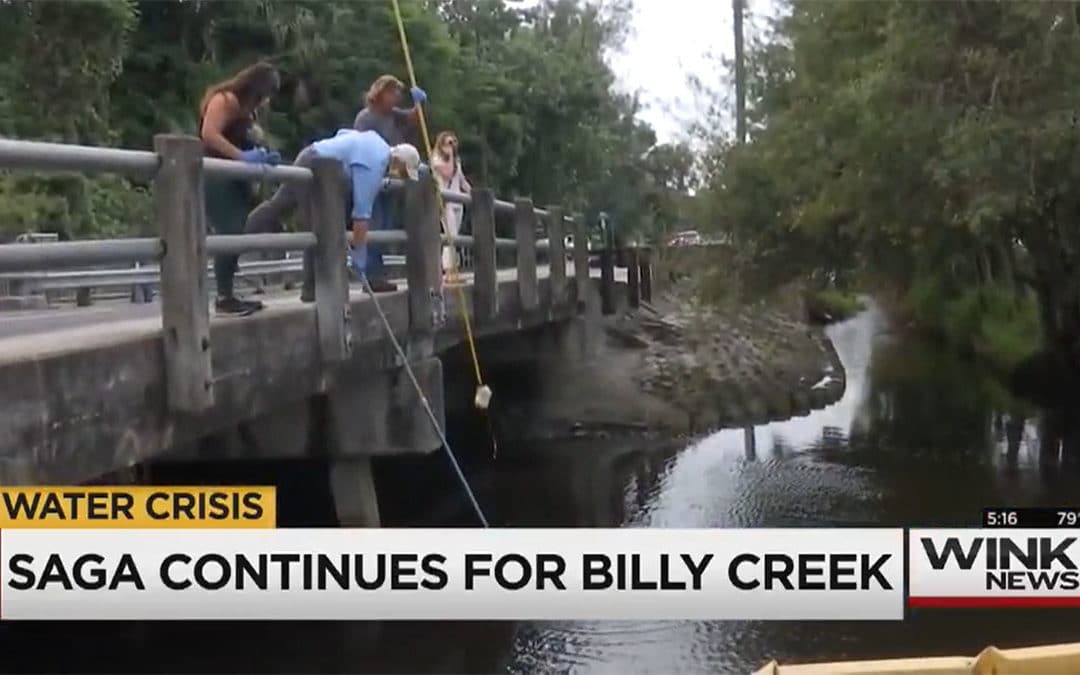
996	601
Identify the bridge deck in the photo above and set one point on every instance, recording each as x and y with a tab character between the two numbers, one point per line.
38	333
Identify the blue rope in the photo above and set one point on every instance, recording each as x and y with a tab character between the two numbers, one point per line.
427	406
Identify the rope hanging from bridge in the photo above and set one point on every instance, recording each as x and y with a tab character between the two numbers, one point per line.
483	393
424	402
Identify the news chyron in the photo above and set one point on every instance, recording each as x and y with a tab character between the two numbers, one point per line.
216	553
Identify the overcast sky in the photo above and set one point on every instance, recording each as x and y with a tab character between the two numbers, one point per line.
673	38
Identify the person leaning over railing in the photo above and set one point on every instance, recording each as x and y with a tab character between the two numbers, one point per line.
382	115
365	160
227	129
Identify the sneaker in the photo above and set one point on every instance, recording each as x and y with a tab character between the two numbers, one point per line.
236	307
382	286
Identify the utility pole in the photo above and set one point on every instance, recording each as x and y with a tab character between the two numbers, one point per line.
737	7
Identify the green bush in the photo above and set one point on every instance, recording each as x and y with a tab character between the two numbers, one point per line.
996	325
830	304
79	206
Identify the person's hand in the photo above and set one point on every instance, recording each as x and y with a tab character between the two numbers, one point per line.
419	96
357	261
260	156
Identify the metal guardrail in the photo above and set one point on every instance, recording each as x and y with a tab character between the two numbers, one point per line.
34	282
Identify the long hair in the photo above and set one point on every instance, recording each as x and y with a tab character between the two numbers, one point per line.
381	84
439	140
250	86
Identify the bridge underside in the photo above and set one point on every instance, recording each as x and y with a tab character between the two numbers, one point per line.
90	400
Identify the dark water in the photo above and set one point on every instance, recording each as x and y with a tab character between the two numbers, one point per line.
919	438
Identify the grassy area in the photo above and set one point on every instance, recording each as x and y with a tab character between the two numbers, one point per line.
994	324
828	305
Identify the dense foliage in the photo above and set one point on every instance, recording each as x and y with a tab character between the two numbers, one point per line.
527	90
932	146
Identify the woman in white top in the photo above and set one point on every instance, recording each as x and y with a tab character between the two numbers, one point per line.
447	167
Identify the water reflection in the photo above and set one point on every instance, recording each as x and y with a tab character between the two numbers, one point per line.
919	437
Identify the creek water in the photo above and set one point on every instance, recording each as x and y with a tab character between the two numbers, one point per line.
920	437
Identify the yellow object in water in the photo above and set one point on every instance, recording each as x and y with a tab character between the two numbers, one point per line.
1048	660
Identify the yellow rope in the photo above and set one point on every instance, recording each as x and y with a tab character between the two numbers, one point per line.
427	147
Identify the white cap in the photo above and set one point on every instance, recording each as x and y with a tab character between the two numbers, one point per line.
409	158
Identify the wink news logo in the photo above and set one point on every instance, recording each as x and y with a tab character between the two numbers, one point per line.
1010	563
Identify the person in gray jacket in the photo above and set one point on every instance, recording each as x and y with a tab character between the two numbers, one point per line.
383	115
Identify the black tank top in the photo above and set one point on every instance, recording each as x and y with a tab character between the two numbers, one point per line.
237	132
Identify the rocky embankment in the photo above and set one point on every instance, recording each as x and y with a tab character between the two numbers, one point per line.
677	366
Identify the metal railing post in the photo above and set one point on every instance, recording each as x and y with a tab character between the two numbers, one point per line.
185	307
581	261
485	279
325	212
525	234
633	278
607	280
646	275
556	254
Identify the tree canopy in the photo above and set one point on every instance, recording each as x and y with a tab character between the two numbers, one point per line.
931	145
527	89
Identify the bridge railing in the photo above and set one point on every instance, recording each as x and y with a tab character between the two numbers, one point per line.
177	171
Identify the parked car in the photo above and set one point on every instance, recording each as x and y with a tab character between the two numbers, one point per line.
685	238
37	237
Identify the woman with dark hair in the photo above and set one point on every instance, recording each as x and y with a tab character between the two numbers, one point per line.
227	129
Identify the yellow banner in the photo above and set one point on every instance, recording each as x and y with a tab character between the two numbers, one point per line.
138	507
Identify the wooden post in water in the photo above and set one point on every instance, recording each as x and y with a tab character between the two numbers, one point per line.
485	281
646	275
185	304
525	234
607	280
581	261
326	210
556	255
422	256
633	279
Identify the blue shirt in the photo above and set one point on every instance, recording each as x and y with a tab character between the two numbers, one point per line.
365	157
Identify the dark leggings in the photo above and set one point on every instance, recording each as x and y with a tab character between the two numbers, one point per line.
269	215
227	202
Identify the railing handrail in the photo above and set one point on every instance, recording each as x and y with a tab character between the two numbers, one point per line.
46	156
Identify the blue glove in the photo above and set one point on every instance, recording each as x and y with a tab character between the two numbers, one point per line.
260	156
418	95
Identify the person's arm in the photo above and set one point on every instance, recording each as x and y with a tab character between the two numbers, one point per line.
221	109
443	170
361	121
406	117
466	186
412	115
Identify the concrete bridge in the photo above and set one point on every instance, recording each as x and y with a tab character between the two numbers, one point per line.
89	391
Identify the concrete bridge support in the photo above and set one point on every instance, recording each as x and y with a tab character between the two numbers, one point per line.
353	490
